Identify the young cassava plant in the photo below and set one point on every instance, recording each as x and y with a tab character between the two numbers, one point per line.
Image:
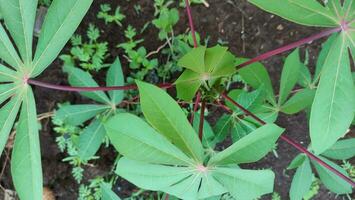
16	95
165	154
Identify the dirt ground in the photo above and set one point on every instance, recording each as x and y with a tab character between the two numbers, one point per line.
248	31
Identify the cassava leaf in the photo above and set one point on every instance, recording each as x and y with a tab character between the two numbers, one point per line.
194	60
6	91
135	139
245	184
107	193
166	116
26	168
290	75
19	16
8	115
59	25
305	12
302	181
90	140
333	182
80	78
333	106
250	148
6	74
77	114
298	101
115	77
7	50
188	84
341	150
297	161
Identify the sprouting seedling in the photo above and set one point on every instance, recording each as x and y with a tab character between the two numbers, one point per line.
74	115
60	23
117	17
166	155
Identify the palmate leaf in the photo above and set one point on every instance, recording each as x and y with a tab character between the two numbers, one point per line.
333	106
298	101
7	75
305	12
19	16
165	115
6	91
341	150
107	193
115	77
302	180
250	148
26	166
59	25
8	52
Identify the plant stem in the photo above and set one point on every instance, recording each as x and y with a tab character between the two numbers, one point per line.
89	89
196	104
202	120
293	143
191	22
289	46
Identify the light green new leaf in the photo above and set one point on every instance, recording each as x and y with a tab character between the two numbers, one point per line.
302	181
6	91
19	16
90	140
26	168
297	161
333	106
290	75
194	60
305	12
248	100
107	193
166	116
245	184
250	148
188	84
341	150
257	76
135	139
7	50
80	78
333	182
7	75
298	102
77	114
59	25
115	77
8	115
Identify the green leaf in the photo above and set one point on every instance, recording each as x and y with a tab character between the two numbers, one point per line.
298	101
7	50
305	12
257	76
297	161
19	16
80	78
7	75
241	128
59	25
166	116
107	193
188	84
305	78
6	91
208	134
333	106
26	168
333	182
248	100
302	181
222	127
250	148
290	75
341	150
77	114
8	114
115	78
219	62
90	140
245	184
194	60
135	139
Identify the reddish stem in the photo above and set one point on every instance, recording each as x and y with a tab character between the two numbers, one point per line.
202	120
191	22
196	104
289	46
293	143
89	89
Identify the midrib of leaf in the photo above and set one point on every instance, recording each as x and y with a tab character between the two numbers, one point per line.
67	114
153	147
224	125
54	35
175	129
312	10
92	138
302	169
28	49
335	85
16	58
9	75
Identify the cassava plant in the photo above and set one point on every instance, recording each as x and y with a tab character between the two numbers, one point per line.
163	151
